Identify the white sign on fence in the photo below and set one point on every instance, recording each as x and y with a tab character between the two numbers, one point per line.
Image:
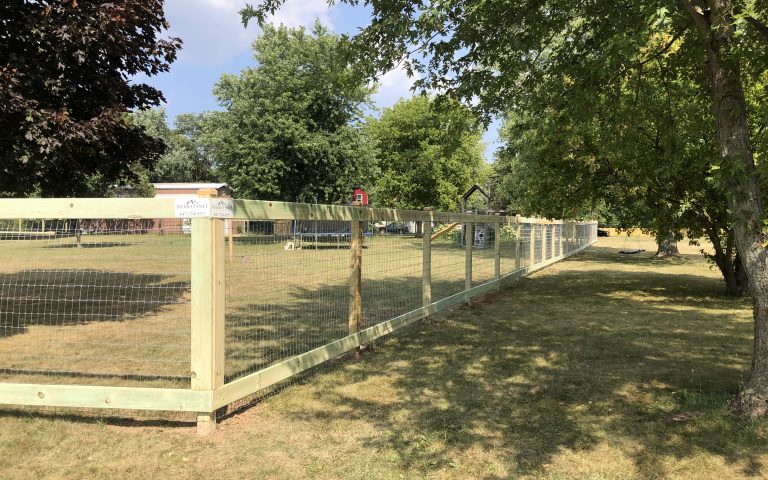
222	208
195	207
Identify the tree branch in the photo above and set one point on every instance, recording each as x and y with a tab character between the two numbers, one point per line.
698	14
761	28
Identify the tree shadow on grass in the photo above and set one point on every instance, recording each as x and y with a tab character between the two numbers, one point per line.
562	362
78	297
262	333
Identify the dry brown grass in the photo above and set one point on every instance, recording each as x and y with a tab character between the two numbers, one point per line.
599	367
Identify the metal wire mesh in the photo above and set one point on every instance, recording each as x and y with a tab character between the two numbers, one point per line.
95	302
284	296
108	302
448	255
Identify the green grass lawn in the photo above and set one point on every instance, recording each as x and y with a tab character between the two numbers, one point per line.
599	367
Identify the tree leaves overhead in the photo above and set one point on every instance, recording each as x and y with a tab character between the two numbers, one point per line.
64	86
291	126
428	156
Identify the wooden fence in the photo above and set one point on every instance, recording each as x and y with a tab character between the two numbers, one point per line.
548	241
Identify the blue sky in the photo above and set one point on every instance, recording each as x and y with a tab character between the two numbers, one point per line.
215	42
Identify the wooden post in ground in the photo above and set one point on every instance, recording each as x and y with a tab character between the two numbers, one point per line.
532	244
497	251
207	327
469	238
518	246
552	229
426	262
356	275
543	241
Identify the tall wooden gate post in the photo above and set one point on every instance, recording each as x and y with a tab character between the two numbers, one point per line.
532	244
518	249
469	239
356	273
497	252
426	262
207	328
552	240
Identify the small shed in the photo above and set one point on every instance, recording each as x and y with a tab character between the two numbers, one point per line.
360	196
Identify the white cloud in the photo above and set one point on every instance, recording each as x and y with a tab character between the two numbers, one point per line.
212	31
298	13
393	86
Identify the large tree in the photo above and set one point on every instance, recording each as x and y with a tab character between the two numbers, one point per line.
186	159
291	126
65	88
429	155
485	50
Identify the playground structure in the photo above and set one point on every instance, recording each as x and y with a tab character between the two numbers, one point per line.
135	320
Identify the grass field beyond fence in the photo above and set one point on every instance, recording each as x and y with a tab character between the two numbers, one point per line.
102	306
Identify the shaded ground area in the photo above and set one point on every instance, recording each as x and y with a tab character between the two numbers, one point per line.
600	367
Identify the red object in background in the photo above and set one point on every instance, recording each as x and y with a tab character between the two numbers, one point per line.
360	196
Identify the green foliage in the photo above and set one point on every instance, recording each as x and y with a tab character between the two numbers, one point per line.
186	159
64	86
291	129
428	155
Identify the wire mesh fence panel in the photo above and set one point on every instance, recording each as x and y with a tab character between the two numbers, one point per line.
448	256
98	304
391	274
526	240
508	250
95	302
484	254
284	295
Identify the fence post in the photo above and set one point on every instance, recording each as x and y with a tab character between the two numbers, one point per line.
497	253
356	274
532	244
207	328
518	246
552	240
543	241
469	238
426	262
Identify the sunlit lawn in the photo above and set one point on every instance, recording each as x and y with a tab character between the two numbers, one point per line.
599	367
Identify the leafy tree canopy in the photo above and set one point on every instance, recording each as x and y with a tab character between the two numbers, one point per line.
428	156
64	86
291	129
186	159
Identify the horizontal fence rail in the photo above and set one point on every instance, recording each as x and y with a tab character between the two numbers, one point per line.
200	304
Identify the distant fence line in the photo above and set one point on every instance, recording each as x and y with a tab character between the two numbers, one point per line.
233	296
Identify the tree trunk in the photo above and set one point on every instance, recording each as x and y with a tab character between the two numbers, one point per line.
741	275
728	263
667	245
744	199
